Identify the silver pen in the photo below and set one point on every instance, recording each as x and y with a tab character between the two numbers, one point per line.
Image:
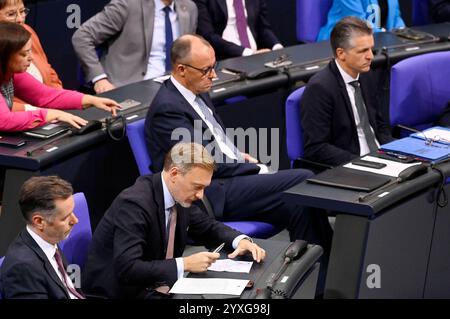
218	249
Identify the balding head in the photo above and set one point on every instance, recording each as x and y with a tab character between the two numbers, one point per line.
193	61
183	47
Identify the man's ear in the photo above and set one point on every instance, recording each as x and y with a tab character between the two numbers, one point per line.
173	173
37	221
181	69
340	54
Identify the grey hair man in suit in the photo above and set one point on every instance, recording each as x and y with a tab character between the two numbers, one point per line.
137	248
134	35
34	267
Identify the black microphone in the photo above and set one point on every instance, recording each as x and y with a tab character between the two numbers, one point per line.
295	249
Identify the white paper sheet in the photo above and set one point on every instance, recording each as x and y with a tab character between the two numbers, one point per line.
392	168
437	134
230	265
197	286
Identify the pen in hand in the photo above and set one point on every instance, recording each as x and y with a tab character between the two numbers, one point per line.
219	248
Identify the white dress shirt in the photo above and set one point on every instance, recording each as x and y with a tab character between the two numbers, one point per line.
49	251
363	146
157	61
231	32
190	98
224	148
169	202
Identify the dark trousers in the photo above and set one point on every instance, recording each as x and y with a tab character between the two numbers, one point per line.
260	198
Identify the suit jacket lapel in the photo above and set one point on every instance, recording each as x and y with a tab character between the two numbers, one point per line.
148	17
223	7
343	91
159	198
186	106
209	103
29	241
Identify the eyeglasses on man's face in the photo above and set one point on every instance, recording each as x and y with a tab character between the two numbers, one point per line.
205	71
13	15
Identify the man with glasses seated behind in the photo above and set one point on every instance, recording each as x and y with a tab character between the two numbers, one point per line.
15	11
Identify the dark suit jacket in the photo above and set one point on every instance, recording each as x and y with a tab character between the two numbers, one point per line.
440	10
212	20
127	253
169	111
444	120
330	135
26	272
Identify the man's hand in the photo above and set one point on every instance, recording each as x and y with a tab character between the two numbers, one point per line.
200	262
249	158
261	51
247	246
103	85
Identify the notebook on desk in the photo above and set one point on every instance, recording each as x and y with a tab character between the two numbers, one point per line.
48	130
350	179
434	153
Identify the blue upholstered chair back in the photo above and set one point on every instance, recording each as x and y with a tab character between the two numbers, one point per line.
294	131
420	12
1	262
75	247
136	138
311	16
420	89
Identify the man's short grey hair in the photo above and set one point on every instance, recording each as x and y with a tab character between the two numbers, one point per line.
181	48
186	156
344	31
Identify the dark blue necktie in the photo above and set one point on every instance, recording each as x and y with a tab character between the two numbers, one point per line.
169	37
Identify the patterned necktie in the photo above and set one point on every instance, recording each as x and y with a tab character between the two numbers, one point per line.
169	37
241	23
62	271
218	131
364	117
172	227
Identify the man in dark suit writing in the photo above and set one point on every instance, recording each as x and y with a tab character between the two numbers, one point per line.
34	267
340	109
241	187
137	247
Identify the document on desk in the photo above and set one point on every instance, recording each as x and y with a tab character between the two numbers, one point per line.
201	286
230	265
437	134
392	168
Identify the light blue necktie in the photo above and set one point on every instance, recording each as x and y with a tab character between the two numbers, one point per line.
216	126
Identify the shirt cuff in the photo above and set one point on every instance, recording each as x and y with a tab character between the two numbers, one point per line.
247	52
99	77
180	267
277	46
236	241
263	169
